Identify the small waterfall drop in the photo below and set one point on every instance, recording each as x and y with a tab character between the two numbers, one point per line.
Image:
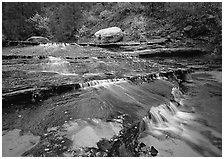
101	83
58	65
167	121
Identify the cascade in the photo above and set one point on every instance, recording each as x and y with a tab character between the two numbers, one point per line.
58	65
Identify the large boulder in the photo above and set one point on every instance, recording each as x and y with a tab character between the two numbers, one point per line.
109	35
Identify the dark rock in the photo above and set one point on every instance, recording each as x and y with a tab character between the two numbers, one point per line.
142	144
77	86
171	52
104	145
154	152
101	154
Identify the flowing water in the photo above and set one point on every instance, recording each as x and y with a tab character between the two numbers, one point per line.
58	65
169	125
169	118
173	120
178	123
164	121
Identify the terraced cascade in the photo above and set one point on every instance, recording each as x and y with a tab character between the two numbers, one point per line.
124	113
59	101
38	94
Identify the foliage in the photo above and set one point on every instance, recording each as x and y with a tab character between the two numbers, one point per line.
41	25
67	22
14	20
64	21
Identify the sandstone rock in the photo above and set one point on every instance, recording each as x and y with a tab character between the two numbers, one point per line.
109	35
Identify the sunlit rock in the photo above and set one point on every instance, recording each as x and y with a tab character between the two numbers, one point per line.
109	35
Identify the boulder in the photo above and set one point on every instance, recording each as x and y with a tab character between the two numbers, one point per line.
154	152
109	35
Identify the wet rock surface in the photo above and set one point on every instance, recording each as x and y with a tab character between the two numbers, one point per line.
58	100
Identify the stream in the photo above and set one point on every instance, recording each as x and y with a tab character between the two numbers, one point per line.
111	107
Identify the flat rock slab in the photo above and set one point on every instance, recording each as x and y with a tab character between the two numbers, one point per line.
149	42
169	52
15	144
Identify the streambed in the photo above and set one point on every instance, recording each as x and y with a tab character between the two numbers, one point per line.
118	98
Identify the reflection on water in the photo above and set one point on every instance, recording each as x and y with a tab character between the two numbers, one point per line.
86	133
16	143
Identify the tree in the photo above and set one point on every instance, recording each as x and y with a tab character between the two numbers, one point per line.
14	19
65	19
41	25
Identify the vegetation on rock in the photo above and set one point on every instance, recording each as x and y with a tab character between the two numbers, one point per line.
185	23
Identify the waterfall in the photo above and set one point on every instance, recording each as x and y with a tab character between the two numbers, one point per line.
166	120
101	83
144	78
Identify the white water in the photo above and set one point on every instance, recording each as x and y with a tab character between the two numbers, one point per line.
101	83
108	82
167	121
58	65
165	124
